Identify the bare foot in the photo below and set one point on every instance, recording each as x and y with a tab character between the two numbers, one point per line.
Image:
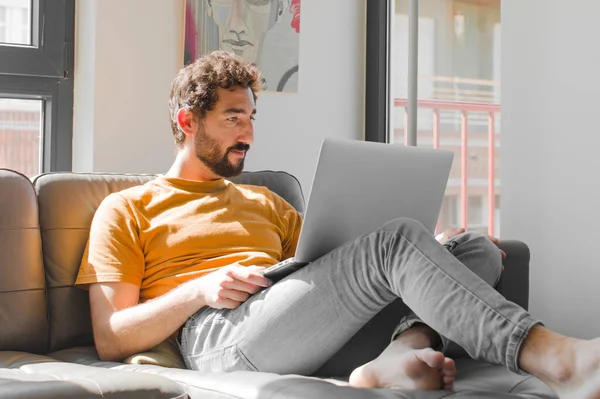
401	367
570	366
575	373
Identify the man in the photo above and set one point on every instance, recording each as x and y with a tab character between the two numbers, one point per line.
182	255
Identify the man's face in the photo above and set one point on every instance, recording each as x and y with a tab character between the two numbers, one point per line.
243	24
226	132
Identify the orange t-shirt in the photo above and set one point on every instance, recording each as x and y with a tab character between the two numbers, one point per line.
170	230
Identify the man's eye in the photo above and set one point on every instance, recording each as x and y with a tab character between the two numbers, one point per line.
232	119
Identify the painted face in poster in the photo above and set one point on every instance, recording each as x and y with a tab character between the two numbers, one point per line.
244	24
265	32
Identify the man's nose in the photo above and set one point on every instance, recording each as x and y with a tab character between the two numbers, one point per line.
236	18
247	133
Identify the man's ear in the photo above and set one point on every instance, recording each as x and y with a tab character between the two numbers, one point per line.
186	121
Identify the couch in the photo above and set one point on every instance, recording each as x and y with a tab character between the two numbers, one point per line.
46	341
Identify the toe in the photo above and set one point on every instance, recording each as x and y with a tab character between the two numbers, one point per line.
448	380
447	383
449	367
363	377
431	358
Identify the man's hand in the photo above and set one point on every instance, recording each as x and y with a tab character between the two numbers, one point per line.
449	233
229	287
495	241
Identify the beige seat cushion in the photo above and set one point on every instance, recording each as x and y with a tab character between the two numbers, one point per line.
476	380
165	354
23	375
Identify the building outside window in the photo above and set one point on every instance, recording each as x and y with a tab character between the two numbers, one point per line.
458	97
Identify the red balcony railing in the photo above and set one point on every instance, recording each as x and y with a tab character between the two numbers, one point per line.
465	108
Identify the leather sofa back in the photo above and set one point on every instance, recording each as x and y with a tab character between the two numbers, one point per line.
67	203
23	322
281	183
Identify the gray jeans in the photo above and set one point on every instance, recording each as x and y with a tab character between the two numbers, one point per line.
296	325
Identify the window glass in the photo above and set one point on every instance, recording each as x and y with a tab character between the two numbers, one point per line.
20	135
458	100
15	22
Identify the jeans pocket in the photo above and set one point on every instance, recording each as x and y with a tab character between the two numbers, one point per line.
227	359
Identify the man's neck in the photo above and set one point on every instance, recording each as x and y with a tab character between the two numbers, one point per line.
190	167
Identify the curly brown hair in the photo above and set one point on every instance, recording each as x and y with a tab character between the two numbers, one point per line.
195	86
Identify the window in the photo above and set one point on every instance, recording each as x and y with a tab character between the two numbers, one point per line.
475	207
15	22
36	84
450	212
21	135
3	25
456	104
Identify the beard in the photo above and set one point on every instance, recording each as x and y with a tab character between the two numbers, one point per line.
208	152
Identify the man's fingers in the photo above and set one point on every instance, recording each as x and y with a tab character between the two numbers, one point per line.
240	285
455	232
493	239
248	275
496	241
235	295
226	303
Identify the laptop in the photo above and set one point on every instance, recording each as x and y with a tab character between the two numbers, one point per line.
358	187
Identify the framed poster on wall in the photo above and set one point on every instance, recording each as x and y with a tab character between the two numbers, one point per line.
264	32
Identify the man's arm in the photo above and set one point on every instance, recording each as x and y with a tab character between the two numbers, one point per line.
123	327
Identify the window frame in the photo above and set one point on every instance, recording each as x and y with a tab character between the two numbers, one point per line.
46	56
45	73
377	74
377	90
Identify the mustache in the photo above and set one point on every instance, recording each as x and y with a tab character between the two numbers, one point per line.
239	147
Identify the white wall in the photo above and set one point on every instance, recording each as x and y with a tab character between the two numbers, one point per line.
330	98
550	165
127	53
